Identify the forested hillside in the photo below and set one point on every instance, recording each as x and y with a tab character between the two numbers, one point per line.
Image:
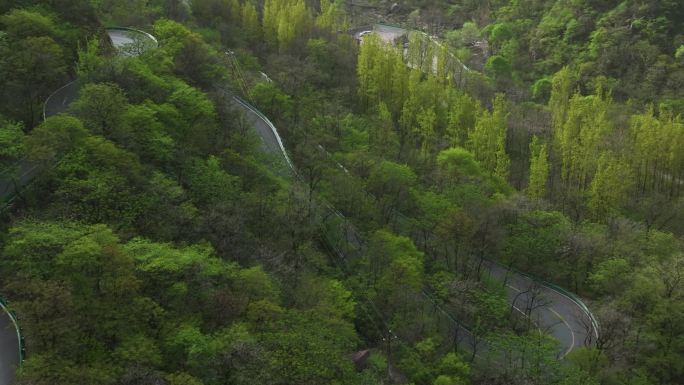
160	235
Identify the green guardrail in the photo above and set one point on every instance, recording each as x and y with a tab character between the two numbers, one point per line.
552	286
21	346
568	294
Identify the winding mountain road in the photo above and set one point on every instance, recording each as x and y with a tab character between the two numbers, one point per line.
559	313
555	311
123	39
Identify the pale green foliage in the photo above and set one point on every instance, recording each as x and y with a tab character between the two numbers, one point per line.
269	22
467	35
327	296
679	54
499	33
585	364
382	74
138	349
54	137
182	378
382	137
171	35
539	169
457	163
536	239
391	183
369	46
22	23
462	115
580	138
656	151
454	365
271	99
400	79
610	187
332	16
12	144
414	57
447	380
250	19
412	104
101	107
89	60
426	124
611	276
498	67
144	134
561	90
488	140
394	261
285	21
209	184
257	284
442	70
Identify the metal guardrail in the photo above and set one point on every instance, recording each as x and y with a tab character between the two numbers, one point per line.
568	294
61	89
270	125
136	31
20	338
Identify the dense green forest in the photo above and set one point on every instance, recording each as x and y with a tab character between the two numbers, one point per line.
160	243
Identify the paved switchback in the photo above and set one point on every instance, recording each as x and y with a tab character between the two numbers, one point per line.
558	314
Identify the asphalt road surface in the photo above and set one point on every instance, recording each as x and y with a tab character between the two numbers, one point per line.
552	311
9	348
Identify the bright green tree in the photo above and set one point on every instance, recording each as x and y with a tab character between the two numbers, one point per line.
488	140
539	169
609	188
250	20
